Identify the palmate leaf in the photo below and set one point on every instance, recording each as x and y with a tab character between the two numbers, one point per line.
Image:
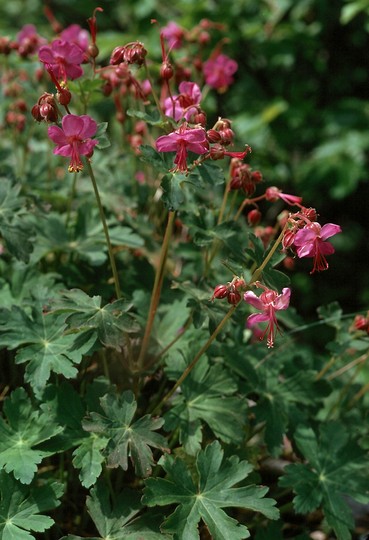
203	497
121	520
44	346
111	321
284	397
206	397
20	507
22	429
336	467
14	224
125	438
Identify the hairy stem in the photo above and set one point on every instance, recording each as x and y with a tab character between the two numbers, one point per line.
156	291
106	230
190	367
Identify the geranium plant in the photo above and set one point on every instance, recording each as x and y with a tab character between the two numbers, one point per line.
143	396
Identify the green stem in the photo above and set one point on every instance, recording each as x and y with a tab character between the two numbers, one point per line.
106	230
156	290
71	199
190	367
154	95
255	276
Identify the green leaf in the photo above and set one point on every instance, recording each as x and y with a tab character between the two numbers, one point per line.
206	397
101	135
44	345
120	521
89	458
336	467
173	194
204	496
14	224
22	429
126	438
20	508
111	321
153	118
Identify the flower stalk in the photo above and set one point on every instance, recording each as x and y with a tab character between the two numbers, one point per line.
106	230
156	291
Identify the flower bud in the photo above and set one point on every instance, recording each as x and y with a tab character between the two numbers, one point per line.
233	298
254	217
217	152
166	71
213	136
64	96
220	291
93	50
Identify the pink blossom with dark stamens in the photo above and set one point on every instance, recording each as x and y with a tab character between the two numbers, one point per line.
218	71
268	303
182	141
73	139
186	103
63	59
311	242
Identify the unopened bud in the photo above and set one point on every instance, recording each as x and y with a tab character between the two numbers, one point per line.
233	298
254	217
220	291
166	71
93	50
213	136
64	96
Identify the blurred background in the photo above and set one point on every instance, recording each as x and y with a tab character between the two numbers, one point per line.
300	100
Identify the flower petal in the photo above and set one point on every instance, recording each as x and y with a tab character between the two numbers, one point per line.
72	125
328	230
251	298
57	135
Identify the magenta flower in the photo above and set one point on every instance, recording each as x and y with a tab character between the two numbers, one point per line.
182	141
28	40
218	71
63	59
272	194
77	35
73	139
268	303
311	242
186	103
173	34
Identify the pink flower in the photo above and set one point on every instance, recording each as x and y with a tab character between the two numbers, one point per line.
268	303
77	35
272	194
28	40
173	34
311	242
73	139
182	141
186	103
218	71
63	59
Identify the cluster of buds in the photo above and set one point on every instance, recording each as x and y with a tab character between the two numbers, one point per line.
361	322
232	290
132	53
243	177
45	109
15	117
221	133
